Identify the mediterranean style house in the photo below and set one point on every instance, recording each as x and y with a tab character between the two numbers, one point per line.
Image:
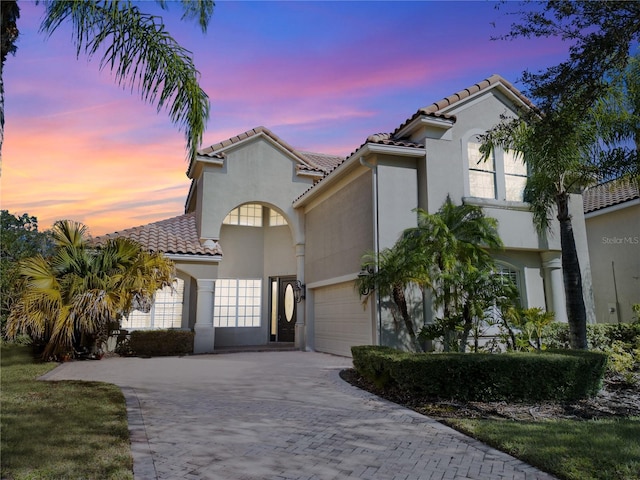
612	216
272	237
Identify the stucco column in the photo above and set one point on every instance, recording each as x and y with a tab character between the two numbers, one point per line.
554	285
204	329
300	340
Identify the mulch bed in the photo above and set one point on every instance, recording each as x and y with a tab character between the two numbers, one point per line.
616	399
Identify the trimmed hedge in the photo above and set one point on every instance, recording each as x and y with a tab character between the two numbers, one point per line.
155	343
558	375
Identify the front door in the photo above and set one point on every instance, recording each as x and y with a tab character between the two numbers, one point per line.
283	309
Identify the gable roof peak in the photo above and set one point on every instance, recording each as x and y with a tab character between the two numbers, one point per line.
441	108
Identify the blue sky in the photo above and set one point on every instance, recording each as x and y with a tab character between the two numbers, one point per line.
321	75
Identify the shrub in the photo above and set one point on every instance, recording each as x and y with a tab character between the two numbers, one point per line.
154	343
621	341
558	375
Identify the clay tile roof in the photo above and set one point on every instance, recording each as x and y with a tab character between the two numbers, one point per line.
435	109
322	161
609	194
177	235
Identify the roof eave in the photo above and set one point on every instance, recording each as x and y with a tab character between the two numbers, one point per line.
183	257
351	162
424	120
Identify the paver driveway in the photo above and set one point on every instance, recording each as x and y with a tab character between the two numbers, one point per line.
280	415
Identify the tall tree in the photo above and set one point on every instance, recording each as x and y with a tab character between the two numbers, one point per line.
600	37
558	151
76	294
137	49
19	239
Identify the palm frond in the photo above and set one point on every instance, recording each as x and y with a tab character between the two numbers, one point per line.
142	55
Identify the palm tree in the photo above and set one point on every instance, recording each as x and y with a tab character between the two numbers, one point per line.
446	254
558	151
454	242
391	272
72	299
136	48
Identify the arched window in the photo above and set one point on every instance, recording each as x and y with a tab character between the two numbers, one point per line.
249	215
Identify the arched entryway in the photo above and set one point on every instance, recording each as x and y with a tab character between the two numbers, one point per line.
252	293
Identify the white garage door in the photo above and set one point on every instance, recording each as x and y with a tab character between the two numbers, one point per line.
340	320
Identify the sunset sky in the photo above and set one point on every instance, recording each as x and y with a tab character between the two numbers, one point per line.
321	75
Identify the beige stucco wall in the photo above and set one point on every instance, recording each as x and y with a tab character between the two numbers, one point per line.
614	248
339	230
255	171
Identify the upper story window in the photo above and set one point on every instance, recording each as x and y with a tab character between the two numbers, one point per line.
515	176
502	176
482	175
275	219
249	215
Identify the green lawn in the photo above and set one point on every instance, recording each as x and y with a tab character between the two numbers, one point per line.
60	430
570	449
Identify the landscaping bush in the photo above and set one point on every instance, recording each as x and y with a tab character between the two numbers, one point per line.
559	375
369	361
621	341
155	343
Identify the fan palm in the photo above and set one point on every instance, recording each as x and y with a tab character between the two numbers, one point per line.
80	291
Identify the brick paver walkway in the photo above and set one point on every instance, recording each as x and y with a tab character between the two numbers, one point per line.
280	416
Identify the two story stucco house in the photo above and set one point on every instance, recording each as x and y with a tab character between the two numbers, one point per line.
271	240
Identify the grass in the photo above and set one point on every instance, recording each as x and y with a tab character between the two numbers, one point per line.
606	449
55	430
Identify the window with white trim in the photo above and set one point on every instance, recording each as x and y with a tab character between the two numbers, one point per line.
503	176
515	176
248	215
237	302
507	274
166	311
482	174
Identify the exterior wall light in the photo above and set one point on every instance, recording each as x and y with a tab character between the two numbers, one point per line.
365	273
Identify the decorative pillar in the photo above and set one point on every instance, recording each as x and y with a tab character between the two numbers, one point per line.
204	329
554	285
300	340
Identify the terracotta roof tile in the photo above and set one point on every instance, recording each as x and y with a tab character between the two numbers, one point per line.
177	235
322	161
435	109
609	194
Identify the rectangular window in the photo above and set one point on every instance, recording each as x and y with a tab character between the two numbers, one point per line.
515	176
166	311
482	175
249	215
237	302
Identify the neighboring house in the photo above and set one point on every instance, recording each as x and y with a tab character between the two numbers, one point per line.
612	217
266	225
